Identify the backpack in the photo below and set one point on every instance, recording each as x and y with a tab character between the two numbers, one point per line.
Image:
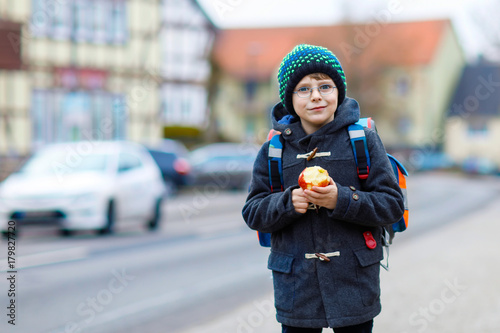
362	159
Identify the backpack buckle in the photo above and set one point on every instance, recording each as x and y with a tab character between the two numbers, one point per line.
363	174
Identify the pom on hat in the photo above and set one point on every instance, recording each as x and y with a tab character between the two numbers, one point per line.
304	60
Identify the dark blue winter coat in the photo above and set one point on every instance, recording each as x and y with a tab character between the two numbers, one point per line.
346	290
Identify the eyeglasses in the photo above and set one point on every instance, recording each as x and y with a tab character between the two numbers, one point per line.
324	89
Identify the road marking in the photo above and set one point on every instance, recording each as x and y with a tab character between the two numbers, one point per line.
47	258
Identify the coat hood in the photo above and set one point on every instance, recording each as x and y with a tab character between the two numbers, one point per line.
347	113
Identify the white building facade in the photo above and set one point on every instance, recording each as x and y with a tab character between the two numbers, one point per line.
100	69
187	37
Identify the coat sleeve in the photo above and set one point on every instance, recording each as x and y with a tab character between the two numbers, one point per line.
380	200
266	211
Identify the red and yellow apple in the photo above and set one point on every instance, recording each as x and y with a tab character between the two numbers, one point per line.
313	176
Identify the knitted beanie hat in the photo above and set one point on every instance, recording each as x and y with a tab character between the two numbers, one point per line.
307	59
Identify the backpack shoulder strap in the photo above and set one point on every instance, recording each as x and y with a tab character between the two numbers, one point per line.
275	162
360	148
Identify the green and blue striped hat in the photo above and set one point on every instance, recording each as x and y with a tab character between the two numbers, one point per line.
304	60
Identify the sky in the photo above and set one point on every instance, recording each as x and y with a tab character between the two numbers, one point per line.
271	13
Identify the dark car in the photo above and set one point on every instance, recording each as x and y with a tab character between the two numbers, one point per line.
479	166
173	159
224	165
428	160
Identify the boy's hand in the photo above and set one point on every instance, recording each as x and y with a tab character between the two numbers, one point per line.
322	196
299	200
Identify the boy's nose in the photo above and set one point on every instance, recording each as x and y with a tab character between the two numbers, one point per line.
315	94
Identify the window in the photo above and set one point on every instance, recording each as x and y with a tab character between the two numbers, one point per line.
37	111
118	31
59	115
100	121
76	117
119	107
62	18
83	20
93	21
402	85
186	108
109	116
40	19
477	127
169	107
128	161
251	89
405	124
101	18
46	119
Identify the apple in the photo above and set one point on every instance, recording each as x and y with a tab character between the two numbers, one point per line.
313	176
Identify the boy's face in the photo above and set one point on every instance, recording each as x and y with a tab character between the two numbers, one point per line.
318	109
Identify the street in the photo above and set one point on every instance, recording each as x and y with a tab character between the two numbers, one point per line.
203	262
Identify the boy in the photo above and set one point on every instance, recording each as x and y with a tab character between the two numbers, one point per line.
325	268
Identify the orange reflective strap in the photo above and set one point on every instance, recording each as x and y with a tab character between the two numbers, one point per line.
272	133
402	179
402	185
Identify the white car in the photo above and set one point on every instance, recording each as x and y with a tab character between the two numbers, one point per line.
86	185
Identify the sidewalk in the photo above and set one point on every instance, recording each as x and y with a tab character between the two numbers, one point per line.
443	281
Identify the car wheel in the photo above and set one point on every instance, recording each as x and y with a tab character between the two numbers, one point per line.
154	223
110	220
